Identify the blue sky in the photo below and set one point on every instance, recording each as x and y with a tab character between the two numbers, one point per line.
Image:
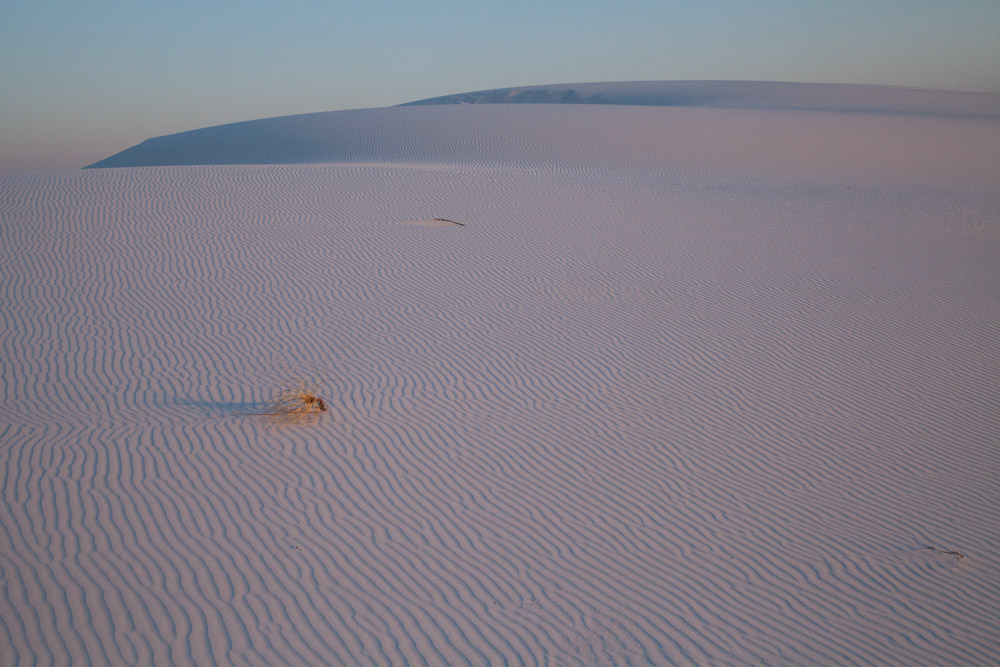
82	80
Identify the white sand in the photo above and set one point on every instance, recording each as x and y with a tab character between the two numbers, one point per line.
690	386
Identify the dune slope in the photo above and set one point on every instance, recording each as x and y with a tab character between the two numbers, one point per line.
757	125
692	396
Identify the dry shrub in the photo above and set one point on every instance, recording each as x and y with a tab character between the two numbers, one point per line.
296	403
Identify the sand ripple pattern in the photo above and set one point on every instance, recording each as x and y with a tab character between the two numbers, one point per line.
622	416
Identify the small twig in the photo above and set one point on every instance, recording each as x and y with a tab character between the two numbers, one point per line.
957	555
454	222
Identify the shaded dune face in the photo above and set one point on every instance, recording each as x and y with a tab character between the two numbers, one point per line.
788	130
593	385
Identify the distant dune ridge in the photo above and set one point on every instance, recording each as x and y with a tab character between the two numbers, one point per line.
916	134
743	95
705	381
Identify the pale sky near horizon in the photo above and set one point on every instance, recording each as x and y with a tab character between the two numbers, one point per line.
81	81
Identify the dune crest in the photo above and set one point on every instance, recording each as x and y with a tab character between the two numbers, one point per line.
744	95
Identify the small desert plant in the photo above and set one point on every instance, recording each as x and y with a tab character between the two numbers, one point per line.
295	403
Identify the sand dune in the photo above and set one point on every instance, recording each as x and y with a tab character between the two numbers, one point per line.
687	386
797	144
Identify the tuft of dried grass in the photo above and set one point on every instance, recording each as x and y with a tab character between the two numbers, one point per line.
295	403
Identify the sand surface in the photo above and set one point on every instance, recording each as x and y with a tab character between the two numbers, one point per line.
694	386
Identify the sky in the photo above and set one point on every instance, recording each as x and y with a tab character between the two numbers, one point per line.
83	80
